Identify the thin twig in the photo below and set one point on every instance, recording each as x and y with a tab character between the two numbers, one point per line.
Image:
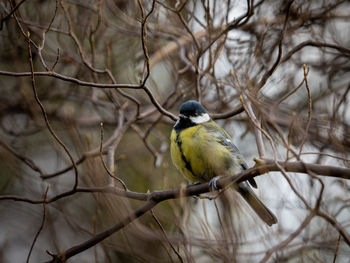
47	122
306	70
96	85
10	13
337	249
41	225
63	256
284	243
104	163
268	74
29	162
166	236
144	37
257	127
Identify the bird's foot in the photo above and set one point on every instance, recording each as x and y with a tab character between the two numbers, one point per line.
212	183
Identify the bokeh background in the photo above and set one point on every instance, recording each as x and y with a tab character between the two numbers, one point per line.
129	65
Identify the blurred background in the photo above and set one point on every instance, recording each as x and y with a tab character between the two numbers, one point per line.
289	60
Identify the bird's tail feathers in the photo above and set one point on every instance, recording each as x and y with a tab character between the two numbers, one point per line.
256	204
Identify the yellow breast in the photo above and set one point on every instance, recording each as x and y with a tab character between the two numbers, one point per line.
198	155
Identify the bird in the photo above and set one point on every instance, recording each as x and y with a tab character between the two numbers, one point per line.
203	152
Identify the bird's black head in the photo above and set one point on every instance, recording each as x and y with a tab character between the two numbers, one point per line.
191	108
191	114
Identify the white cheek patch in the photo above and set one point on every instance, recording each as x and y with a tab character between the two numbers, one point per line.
200	119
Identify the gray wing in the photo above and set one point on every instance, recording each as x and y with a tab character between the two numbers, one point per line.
226	141
243	188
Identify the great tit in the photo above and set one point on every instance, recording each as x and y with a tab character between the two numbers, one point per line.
201	150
